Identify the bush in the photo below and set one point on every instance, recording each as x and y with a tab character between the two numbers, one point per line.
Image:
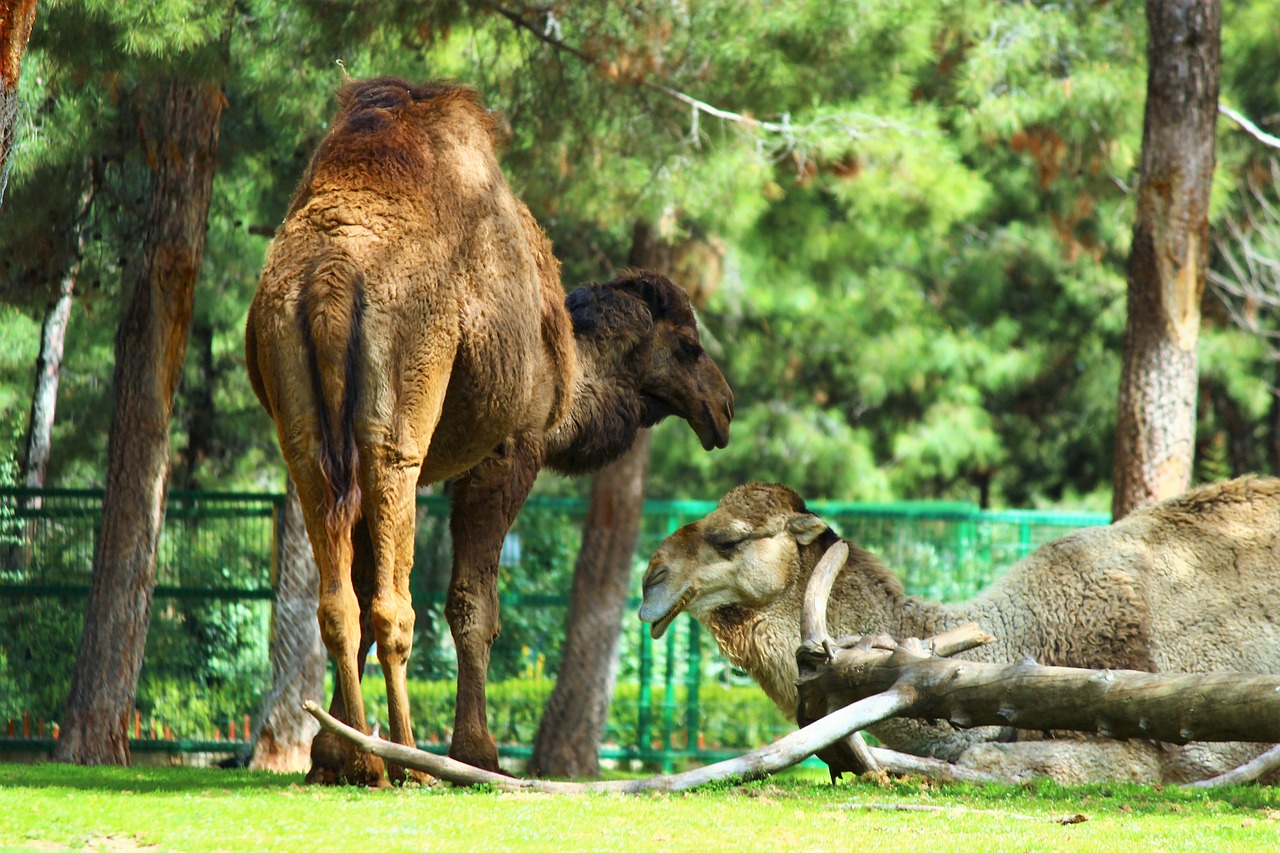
732	717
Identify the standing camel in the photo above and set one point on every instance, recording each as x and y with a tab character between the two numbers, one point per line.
410	327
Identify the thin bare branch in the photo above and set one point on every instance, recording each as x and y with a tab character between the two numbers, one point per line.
1250	771
783	753
814	622
1249	127
783	128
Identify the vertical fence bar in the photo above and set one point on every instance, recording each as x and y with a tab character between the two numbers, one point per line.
669	700
693	683
644	740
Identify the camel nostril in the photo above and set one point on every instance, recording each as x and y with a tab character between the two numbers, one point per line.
655	576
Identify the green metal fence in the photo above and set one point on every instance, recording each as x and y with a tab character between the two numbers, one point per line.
206	664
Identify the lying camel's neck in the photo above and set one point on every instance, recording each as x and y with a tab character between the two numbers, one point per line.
604	415
867	598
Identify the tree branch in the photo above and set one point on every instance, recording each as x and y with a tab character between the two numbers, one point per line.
783	128
779	755
1251	128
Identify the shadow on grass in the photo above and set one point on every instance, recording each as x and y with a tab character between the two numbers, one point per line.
142	779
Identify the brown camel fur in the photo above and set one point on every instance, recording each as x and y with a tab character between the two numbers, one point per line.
410	327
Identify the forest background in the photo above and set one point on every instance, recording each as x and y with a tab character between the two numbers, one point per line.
906	225
909	241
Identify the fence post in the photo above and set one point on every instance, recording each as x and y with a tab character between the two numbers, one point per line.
693	681
643	722
669	701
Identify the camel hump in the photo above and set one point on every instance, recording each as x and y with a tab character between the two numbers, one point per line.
331	307
392	130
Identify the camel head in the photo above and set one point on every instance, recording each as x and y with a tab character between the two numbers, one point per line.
643	324
745	554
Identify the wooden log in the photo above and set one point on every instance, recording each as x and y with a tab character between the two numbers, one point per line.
1115	703
1174	708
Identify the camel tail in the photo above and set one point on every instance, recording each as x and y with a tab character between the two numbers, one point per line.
331	311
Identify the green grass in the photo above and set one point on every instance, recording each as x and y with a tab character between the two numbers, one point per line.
56	807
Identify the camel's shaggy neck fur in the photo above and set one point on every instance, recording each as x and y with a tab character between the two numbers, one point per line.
763	640
868	598
605	411
614	326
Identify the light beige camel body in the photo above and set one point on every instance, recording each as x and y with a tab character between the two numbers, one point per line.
1190	585
410	327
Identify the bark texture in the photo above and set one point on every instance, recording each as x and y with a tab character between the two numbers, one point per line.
1172	708
53	339
150	345
16	20
44	397
1168	262
573	722
283	740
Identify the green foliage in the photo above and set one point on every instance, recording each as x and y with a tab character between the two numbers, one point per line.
924	249
733	716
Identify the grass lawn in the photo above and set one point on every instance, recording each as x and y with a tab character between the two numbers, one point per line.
55	807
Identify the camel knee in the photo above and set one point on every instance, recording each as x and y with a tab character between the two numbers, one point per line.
339	617
472	620
393	621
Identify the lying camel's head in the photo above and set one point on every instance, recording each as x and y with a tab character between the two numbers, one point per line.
746	554
644	321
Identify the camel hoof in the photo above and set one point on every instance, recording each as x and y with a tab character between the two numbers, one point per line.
482	754
320	775
365	770
410	777
335	762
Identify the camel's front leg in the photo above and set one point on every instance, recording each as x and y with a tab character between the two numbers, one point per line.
484	505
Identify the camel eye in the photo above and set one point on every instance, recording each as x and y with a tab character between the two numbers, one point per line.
725	541
690	349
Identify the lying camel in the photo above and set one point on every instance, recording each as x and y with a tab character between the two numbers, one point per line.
1189	585
410	327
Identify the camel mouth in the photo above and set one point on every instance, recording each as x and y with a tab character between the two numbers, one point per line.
656	408
709	431
662	617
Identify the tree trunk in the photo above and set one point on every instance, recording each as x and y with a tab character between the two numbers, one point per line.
44	399
150	345
16	19
573	722
1168	262
200	409
283	740
53	339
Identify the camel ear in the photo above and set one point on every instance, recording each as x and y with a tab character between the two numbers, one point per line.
652	289
583	308
806	528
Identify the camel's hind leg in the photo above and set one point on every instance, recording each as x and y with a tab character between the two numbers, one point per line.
339	615
390	503
485	502
391	461
328	750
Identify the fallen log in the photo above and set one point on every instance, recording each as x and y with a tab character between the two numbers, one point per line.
1114	703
